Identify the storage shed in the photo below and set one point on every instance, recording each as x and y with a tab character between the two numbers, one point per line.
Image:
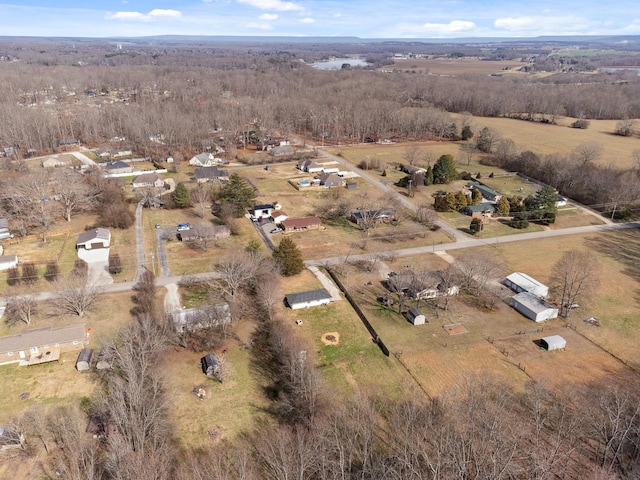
105	358
533	307
210	365
553	342
83	363
415	316
521	282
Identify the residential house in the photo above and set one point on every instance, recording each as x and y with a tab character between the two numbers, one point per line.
415	316
8	261
413	169
210	174
69	143
282	150
330	180
480	210
372	215
56	161
533	307
148	180
301	224
278	216
203	231
205	160
310	166
121	152
41	345
189	319
553	342
488	194
311	298
95	238
117	167
521	282
4	229
261	212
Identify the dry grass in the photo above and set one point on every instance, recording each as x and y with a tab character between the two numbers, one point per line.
456	67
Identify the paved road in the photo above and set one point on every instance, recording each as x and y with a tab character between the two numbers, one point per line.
84	159
140	261
478	242
451	231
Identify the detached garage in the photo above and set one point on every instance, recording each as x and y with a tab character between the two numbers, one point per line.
533	307
553	342
311	298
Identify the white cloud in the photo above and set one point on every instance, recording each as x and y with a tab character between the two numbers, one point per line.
141	17
268	16
307	20
277	5
549	25
456	26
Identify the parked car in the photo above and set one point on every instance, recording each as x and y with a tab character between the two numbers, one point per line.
276	230
183	226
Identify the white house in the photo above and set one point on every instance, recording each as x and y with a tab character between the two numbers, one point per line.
415	316
95	238
205	160
311	298
279	216
553	342
521	282
148	180
533	307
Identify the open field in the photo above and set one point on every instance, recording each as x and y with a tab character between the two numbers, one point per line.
455	67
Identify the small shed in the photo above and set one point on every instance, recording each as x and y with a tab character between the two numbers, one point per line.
533	307
415	316
210	365
553	342
83	364
104	358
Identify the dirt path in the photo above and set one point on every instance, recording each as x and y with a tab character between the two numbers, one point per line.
172	298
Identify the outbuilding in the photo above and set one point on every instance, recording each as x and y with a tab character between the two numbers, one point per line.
533	307
521	282
210	364
311	298
553	342
415	316
83	363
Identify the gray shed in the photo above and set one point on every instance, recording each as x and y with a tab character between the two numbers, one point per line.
210	365
83	364
104	358
415	316
553	342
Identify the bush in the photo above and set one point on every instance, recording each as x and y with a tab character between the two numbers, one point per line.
580	123
52	271
80	268
29	273
13	276
115	264
519	222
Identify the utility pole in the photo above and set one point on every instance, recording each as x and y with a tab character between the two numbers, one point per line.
153	264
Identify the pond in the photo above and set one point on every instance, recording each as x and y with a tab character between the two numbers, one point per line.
336	63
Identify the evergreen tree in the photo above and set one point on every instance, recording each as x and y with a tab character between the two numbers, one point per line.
542	205
466	133
239	194
476	196
440	203
476	226
452	202
428	176
288	257
444	171
461	200
503	207
180	196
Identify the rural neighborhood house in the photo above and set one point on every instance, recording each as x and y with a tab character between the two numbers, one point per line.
311	298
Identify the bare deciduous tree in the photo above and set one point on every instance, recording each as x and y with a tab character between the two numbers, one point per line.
74	193
75	295
236	270
21	306
575	278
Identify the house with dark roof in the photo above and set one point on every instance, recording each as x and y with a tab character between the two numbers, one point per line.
210	174
372	215
480	210
282	150
94	238
488	194
301	224
330	180
261	212
41	345
189	319
310	298
203	231
117	167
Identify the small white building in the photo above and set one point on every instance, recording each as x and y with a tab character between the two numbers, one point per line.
553	342
521	282
311	298
533	307
415	316
83	363
95	238
8	261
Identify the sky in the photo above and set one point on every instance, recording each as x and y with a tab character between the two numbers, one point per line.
328	18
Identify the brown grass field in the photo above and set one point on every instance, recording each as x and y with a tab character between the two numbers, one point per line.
456	67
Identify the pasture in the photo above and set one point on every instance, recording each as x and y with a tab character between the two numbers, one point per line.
448	67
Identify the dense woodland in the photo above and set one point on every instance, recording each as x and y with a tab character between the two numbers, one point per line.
480	430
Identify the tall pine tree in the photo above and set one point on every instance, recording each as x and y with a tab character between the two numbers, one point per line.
239	194
288	257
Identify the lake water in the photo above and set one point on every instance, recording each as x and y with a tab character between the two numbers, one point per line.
336	63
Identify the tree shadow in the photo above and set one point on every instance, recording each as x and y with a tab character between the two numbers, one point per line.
623	246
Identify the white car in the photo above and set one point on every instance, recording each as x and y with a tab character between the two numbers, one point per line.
275	230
